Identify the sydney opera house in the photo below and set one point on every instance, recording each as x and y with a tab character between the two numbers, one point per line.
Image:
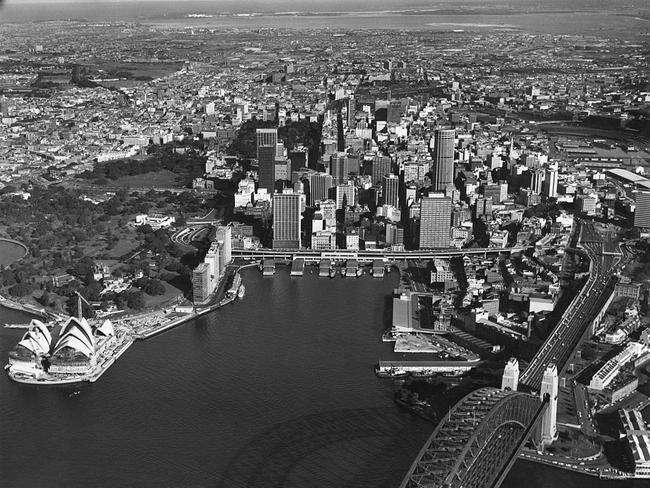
74	353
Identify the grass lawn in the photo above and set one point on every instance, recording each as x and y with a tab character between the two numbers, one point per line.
170	293
128	242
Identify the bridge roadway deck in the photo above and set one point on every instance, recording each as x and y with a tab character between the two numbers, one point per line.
567	334
368	255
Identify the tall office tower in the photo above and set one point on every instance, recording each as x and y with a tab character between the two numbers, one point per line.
224	238
443	158
394	234
390	190
642	208
267	137
549	387
510	377
338	168
201	283
435	221
351	112
286	220
381	166
267	140
346	196
550	183
537	181
319	185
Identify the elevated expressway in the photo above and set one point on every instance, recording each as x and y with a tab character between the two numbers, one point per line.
367	255
478	441
584	312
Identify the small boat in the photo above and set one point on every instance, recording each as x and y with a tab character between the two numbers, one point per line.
359	271
332	273
74	393
241	291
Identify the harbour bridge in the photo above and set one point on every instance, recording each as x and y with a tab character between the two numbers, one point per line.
478	441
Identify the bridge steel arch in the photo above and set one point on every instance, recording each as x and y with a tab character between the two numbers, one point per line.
477	442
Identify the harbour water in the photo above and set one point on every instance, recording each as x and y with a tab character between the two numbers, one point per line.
277	390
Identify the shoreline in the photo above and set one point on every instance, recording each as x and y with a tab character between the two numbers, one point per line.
148	323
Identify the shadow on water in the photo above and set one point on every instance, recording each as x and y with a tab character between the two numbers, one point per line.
271	458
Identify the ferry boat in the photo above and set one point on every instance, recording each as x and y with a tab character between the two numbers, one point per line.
332	272
241	291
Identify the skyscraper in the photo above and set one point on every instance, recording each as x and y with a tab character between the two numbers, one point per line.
435	221
642	208
537	181
224	238
549	387
510	377
266	149
381	166
550	183
286	220
201	283
390	190
267	137
443	158
346	196
319	185
338	167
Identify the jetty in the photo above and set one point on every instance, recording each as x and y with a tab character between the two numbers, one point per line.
268	266
352	269
378	268
324	268
297	267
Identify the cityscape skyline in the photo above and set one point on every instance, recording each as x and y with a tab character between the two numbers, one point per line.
364	244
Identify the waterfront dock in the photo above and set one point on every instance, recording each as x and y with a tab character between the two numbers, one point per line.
378	268
324	268
424	368
297	267
268	266
352	269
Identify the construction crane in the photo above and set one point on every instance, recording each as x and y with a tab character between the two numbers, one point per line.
80	298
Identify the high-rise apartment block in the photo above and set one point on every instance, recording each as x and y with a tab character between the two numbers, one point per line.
201	283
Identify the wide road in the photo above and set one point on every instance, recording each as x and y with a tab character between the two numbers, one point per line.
566	336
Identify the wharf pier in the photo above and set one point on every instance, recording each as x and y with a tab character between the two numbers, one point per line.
401	368
324	268
352	269
268	266
378	268
298	267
